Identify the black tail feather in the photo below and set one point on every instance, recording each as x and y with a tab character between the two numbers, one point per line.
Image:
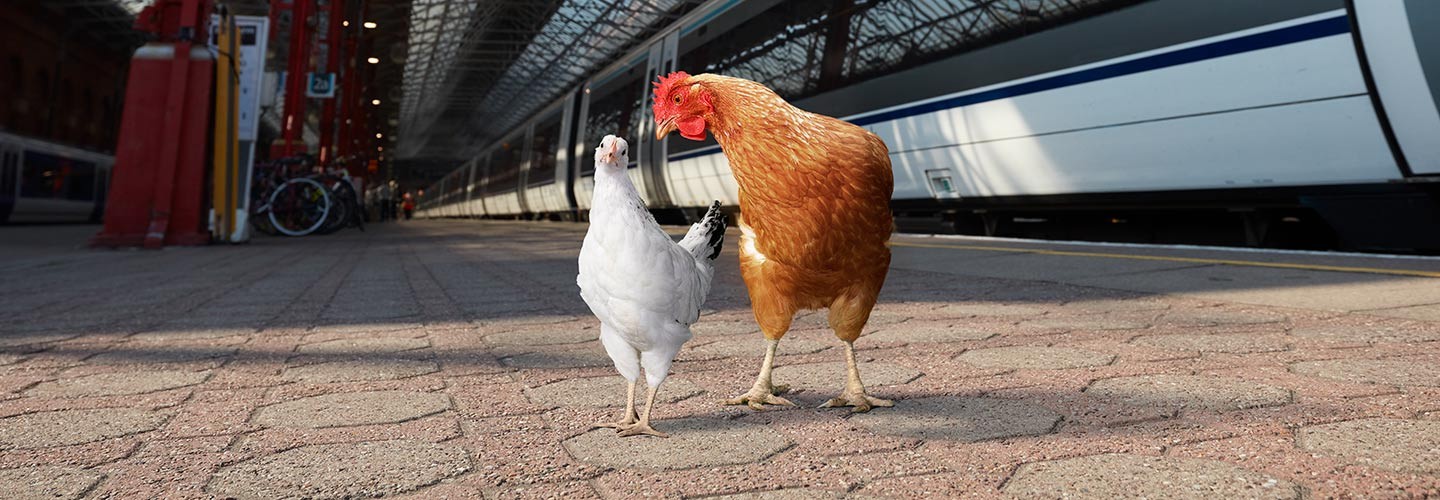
715	227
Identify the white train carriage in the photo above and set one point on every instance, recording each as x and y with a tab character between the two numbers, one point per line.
46	182
1316	114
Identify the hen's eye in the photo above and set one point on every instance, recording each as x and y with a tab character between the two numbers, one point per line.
677	98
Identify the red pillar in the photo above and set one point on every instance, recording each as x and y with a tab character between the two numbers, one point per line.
332	65
157	190
293	124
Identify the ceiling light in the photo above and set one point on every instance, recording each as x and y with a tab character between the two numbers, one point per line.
379	135
373	60
370	25
345	23
375	102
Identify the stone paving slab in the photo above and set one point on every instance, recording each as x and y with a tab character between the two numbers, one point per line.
115	384
1190	391
1391	444
357	408
1235	344
1423	372
361	346
1035	358
606	392
68	427
46	482
693	443
961	419
360	370
455	360
1133	476
356	470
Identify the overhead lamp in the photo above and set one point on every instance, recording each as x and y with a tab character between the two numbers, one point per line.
373	60
379	148
375	102
370	25
379	135
345	23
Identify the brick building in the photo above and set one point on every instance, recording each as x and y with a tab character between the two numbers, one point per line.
62	72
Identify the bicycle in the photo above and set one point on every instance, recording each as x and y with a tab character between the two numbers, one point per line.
288	204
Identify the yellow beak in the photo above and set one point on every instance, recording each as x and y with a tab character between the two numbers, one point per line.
664	128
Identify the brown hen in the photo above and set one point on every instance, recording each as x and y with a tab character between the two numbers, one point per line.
815	200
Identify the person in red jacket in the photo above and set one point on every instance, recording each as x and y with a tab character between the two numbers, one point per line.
408	206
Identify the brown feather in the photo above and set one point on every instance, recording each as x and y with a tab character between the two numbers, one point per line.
815	198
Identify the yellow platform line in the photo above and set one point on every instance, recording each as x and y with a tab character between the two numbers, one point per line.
1193	260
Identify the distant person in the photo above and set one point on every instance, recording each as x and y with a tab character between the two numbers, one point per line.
387	200
408	206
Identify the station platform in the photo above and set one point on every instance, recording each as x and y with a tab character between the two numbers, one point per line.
455	359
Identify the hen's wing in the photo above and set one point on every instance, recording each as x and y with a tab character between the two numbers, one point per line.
631	270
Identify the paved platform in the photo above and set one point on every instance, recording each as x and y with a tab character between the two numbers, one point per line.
454	359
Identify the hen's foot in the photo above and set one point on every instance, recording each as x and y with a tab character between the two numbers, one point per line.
641	428
757	398
618	426
859	401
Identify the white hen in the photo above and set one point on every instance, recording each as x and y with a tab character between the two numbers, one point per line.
645	288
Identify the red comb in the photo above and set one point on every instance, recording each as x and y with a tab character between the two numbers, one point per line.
667	82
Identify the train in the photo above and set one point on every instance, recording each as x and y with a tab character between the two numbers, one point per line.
45	182
1284	123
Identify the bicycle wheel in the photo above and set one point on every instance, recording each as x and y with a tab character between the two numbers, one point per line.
345	194
299	207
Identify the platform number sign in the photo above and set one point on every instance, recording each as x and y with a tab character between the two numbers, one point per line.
320	86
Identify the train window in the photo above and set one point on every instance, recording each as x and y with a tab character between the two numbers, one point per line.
49	176
543	149
615	108
801	49
505	165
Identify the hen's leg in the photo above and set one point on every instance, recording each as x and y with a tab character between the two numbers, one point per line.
764	392
848	315
854	394
629	417
773	312
643	427
627	362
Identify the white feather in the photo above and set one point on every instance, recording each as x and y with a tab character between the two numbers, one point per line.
645	289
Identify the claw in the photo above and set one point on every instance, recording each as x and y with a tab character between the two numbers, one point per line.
757	400
860	403
638	429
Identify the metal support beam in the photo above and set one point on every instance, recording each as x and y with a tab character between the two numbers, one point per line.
333	47
293	123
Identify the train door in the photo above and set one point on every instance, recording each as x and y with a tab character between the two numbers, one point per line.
470	188
652	153
570	150
9	180
1401	49
523	176
481	170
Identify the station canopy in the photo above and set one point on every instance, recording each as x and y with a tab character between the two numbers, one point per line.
474	70
455	75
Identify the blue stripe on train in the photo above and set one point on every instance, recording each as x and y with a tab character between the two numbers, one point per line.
1275	38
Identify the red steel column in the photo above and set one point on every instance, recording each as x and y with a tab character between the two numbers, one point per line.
332	65
157	190
293	125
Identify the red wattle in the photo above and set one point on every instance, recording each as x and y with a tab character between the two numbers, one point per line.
692	128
